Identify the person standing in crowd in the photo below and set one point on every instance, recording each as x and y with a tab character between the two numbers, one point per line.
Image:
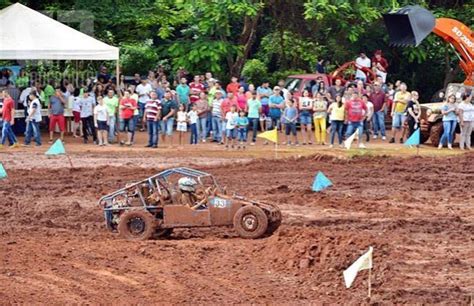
241	99
127	123
33	121
143	90
193	118
378	98
56	114
306	108
76	113
231	126
8	114
400	102
284	93
254	108
182	93
196	87
380	65
202	109
181	123
22	81
466	121
242	124
413	113
336	115
355	110
290	116
362	62
449	122
264	92
101	120
152	117
233	86
276	103
368	116
438	98
111	101
103	77
87	104
226	105
336	89
169	107
217	117
319	118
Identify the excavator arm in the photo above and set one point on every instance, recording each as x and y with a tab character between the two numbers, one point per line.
410	25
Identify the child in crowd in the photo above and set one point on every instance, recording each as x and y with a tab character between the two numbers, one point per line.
290	115
242	124
101	122
76	112
368	116
181	125
231	124
193	118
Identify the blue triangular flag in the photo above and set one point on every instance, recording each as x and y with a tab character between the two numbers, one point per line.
414	139
56	149
321	182
3	172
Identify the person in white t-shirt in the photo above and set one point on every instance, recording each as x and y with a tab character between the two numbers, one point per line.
181	125
362	62
143	90
101	121
33	120
368	117
231	126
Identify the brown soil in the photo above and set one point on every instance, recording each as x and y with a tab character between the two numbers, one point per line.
417	213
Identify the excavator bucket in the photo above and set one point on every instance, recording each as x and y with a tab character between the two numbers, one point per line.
409	25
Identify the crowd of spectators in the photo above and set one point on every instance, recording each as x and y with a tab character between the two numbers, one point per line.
205	110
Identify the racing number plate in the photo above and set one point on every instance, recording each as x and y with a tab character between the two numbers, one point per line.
220	203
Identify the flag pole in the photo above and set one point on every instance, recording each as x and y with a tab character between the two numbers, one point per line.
370	283
70	161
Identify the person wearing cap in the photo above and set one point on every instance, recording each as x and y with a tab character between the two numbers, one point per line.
362	62
276	104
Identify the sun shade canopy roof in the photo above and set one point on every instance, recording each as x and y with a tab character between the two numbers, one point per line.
28	34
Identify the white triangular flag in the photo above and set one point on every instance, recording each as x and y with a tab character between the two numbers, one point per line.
348	141
362	263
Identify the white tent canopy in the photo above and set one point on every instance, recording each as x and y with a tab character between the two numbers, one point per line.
27	34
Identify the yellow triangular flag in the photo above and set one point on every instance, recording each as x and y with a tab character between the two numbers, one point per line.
348	141
362	263
270	135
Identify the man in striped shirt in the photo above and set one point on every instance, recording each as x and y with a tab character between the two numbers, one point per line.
152	118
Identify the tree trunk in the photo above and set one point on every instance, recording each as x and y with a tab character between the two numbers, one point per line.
247	39
449	72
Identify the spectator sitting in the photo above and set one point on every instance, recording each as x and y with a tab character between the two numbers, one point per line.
362	62
380	65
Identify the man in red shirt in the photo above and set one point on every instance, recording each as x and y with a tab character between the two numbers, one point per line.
8	114
355	115
196	88
228	102
127	108
380	64
233	86
379	100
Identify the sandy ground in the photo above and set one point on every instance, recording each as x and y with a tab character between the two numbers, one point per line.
416	211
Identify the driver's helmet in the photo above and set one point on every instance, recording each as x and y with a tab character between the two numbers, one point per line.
187	184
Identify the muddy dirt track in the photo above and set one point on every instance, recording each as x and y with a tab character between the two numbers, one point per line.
417	213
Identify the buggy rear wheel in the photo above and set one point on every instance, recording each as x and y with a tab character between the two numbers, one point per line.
250	222
137	225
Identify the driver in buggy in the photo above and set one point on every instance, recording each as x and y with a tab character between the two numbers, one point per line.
196	199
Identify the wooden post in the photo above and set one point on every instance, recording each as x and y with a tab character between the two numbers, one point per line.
70	161
370	283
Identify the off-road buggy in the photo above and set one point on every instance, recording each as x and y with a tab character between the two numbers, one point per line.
155	206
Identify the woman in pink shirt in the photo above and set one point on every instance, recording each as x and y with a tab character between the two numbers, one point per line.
242	99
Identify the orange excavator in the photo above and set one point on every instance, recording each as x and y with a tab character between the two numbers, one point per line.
409	26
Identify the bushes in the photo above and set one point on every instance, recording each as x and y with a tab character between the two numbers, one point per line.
137	58
255	71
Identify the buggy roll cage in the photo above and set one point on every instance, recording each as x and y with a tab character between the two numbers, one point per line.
154	183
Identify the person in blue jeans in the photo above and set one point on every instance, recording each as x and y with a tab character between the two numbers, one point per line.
276	104
242	124
290	116
449	122
33	120
217	117
151	117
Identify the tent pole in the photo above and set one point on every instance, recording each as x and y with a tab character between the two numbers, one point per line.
117	74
